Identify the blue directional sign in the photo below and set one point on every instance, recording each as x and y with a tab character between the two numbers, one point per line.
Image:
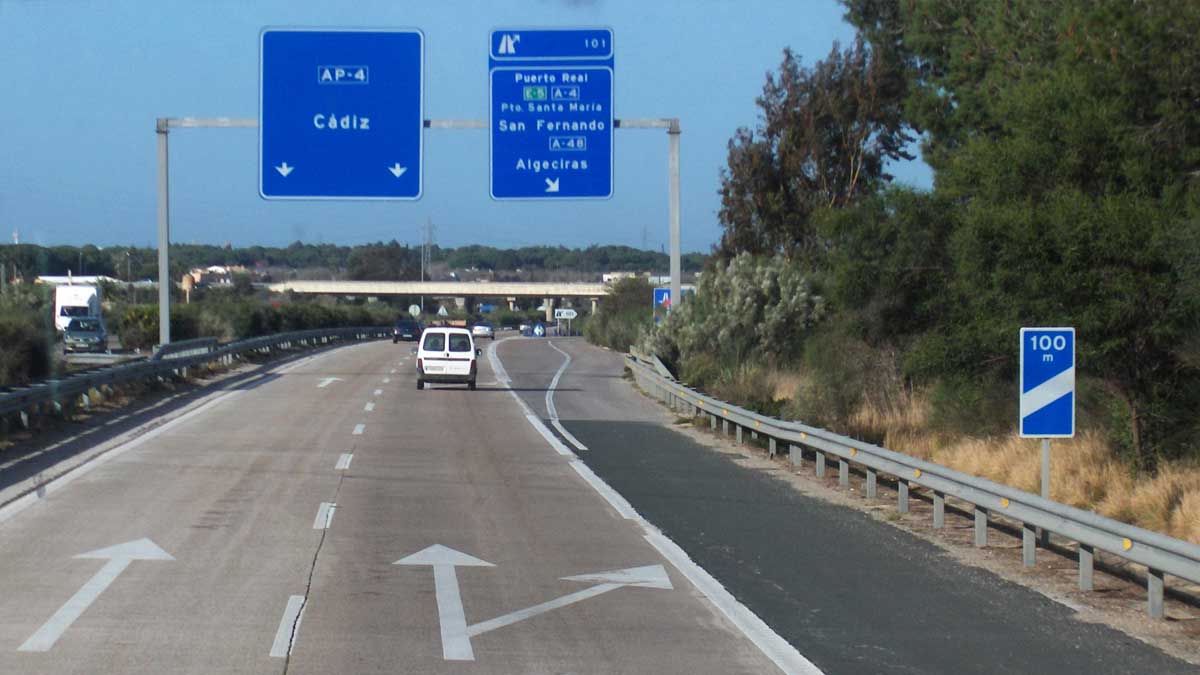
551	116
662	297
340	114
1047	382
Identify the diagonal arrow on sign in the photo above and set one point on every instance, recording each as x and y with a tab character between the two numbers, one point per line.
118	558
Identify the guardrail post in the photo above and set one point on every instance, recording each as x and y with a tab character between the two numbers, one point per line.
843	472
902	496
871	485
1154	592
739	433
1087	557
820	464
712	422
980	526
795	455
1028	545
725	427
939	510
771	446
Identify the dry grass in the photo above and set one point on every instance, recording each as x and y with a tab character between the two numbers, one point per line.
1085	472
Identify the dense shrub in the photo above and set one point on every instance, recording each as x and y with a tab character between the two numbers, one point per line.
622	316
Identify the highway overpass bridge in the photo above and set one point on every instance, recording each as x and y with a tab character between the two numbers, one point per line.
547	292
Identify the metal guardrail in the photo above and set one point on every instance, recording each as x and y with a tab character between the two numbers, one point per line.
61	392
175	350
1159	553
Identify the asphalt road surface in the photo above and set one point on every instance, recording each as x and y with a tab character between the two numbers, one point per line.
330	518
852	594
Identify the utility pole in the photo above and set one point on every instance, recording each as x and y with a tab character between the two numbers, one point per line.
426	255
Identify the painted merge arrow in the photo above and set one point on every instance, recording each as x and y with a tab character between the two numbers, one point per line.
118	558
325	382
284	169
551	185
650	576
397	170
456	644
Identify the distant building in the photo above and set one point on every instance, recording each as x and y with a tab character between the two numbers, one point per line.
614	277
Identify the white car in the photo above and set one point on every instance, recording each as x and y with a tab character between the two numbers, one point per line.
447	355
483	329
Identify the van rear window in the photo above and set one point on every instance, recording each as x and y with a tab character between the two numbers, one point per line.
460	342
434	342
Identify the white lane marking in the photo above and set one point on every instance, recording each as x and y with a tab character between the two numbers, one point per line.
358	429
289	627
392	371
550	438
551	409
456	644
784	655
324	516
118	558
387	380
370	406
343	462
325	382
378	392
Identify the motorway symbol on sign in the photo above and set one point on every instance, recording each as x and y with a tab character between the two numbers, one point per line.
662	297
456	634
118	558
1047	382
348	131
551	116
566	313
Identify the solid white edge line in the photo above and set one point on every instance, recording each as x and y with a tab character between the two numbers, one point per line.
289	626
568	435
767	640
774	647
200	406
324	516
343	462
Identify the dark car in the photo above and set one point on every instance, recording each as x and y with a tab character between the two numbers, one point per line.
407	330
85	334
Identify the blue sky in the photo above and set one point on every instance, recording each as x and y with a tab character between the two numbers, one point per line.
85	80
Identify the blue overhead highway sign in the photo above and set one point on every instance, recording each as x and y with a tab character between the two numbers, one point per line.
340	114
1047	382
550	107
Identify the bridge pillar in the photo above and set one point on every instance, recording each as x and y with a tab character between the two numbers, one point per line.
512	304
594	301
549	309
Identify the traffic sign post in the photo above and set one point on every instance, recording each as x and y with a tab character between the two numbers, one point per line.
340	114
1047	403
550	97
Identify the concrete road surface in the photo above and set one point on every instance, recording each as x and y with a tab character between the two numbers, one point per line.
330	518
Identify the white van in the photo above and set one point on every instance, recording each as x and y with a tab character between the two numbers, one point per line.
447	355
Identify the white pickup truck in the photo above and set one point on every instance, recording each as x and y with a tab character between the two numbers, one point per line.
447	355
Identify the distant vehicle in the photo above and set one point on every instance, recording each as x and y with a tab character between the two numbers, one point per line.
447	355
483	329
408	330
86	334
75	301
525	327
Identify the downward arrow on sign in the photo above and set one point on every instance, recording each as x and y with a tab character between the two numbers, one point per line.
284	169
551	185
397	170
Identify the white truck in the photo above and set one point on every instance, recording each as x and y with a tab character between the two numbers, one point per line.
73	301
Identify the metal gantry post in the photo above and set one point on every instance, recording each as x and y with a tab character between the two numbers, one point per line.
673	207
161	129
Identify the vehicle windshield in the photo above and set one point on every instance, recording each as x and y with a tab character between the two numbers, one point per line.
434	342
460	342
73	311
84	325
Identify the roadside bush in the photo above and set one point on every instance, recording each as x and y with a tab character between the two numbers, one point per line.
28	346
622	316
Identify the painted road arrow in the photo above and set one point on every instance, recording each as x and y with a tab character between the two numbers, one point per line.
328	381
456	644
118	558
456	635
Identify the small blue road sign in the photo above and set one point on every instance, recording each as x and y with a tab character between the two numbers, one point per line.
662	297
1047	382
340	113
550	97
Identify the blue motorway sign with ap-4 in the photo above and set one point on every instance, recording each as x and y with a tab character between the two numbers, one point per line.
1047	382
551	117
340	114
